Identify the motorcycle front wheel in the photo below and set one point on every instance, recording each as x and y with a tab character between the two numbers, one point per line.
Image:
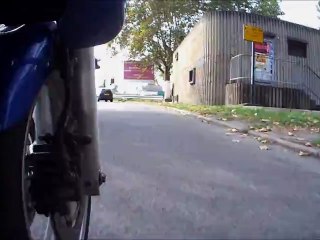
18	218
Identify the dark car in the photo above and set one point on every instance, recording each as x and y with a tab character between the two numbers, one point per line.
106	95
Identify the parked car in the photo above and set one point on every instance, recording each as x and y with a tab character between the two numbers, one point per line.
106	95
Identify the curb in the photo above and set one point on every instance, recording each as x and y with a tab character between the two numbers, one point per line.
273	139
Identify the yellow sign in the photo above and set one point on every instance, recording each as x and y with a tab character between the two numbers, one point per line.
252	33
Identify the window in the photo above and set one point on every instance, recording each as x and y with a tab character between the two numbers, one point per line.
192	76
269	35
297	48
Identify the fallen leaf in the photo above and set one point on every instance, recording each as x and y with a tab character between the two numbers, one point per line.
269	128
302	153
224	119
259	139
244	135
256	114
276	123
265	120
308	144
315	130
264	147
264	141
263	130
233	110
234	130
295	129
290	133
235	115
235	140
252	128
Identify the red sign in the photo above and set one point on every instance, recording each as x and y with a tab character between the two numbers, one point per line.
135	71
262	48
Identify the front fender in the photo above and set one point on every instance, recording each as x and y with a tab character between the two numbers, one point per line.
88	23
25	63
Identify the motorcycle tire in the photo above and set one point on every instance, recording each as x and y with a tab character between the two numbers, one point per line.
14	222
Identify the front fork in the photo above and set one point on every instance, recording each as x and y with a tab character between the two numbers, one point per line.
82	109
83	98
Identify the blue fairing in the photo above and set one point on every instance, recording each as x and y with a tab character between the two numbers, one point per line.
25	62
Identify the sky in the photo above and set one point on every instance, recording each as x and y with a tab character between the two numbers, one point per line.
302	12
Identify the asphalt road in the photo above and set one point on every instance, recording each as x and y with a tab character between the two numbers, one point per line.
172	176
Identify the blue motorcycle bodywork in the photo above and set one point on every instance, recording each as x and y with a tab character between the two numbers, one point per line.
26	56
25	62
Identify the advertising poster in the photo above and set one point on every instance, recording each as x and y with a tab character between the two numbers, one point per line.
264	61
133	70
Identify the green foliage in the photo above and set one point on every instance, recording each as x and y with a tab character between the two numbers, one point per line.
269	8
155	28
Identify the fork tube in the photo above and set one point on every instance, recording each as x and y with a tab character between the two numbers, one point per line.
84	109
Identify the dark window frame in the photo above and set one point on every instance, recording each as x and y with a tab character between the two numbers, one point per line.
297	48
192	76
269	35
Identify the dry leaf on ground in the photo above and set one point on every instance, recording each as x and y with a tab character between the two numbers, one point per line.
264	147
263	130
235	140
234	130
290	134
264	141
265	120
302	153
308	144
252	128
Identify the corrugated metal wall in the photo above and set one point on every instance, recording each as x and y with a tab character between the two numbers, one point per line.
222	39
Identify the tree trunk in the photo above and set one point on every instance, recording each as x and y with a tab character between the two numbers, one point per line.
167	73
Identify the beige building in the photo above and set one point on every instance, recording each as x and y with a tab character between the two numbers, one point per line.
213	63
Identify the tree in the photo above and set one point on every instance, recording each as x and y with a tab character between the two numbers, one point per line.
269	8
155	28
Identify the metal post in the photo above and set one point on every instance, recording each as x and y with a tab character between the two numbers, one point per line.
252	73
